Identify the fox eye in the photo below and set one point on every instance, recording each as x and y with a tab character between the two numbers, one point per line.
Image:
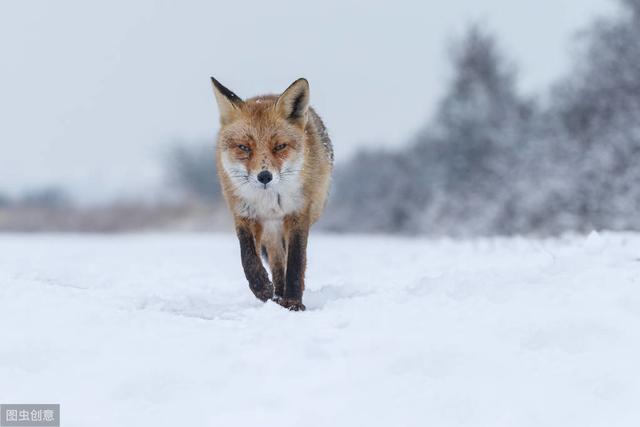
244	148
279	147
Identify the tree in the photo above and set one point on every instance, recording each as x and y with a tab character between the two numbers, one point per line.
598	104
458	174
477	142
373	192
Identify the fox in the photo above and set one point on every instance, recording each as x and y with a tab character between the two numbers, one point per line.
274	162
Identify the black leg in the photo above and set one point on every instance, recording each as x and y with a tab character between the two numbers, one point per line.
296	264
253	269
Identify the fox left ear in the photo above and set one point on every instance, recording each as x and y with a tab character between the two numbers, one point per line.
294	102
228	102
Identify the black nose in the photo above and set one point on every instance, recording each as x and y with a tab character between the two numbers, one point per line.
265	177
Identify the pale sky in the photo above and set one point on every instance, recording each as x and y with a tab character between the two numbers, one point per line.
91	93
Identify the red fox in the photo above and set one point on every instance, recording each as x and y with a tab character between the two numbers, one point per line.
274	160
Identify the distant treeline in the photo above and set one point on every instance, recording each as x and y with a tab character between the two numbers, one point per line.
44	197
492	162
489	162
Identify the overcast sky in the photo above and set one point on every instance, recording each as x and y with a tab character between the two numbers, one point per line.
91	93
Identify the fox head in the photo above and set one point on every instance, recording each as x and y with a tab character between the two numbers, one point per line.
261	140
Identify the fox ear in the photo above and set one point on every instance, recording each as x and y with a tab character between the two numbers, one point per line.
294	102
228	102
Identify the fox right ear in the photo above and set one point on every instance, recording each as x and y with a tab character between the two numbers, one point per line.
294	102
228	102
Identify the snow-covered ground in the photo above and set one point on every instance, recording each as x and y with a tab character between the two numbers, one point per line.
162	330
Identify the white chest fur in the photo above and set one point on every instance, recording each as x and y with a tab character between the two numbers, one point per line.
270	203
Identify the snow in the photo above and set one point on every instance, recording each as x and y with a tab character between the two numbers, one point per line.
162	330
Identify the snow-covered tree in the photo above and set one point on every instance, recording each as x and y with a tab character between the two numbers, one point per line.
493	162
373	193
476	143
460	171
599	107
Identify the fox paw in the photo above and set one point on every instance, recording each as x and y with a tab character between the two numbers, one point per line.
291	304
264	293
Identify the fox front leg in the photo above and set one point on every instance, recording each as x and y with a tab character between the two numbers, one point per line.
275	251
254	271
297	231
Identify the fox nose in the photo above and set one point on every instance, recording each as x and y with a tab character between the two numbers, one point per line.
265	177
